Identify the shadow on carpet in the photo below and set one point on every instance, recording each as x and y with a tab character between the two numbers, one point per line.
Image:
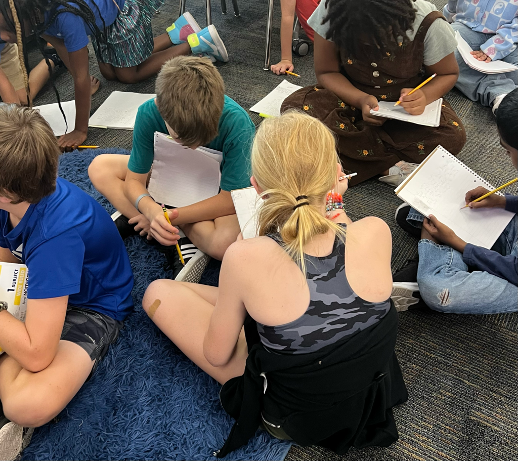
146	401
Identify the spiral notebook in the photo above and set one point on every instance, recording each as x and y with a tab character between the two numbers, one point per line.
431	117
438	187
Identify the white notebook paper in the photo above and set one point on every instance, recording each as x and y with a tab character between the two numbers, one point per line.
54	117
119	110
431	116
438	187
247	203
271	103
182	176
493	67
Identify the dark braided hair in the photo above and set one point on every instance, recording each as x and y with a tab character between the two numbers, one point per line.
21	13
369	27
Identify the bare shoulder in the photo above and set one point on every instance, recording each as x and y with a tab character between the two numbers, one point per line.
372	228
250	252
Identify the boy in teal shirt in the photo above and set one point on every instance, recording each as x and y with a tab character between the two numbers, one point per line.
192	108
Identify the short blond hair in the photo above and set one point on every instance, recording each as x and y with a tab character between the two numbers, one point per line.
190	94
294	156
29	155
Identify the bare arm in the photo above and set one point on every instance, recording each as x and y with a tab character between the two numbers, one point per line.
229	313
287	19
34	343
7	257
447	71
7	91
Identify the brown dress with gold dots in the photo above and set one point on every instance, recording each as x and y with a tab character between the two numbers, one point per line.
370	150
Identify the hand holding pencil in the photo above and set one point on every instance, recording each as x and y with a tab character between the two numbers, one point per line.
483	198
414	100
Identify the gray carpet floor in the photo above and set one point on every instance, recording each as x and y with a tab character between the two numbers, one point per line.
461	371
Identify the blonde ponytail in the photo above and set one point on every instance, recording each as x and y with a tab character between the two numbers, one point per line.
294	162
21	57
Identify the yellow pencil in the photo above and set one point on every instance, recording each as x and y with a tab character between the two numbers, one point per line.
87	147
291	73
418	87
491	192
166	215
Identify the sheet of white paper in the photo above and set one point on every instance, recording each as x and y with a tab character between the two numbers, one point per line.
119	110
493	67
271	103
247	203
53	116
182	176
439	188
431	116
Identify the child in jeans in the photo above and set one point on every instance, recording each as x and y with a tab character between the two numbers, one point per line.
445	282
80	277
491	28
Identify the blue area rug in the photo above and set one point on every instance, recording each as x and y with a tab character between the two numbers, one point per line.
146	401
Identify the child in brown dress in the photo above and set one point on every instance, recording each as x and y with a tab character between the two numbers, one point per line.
379	52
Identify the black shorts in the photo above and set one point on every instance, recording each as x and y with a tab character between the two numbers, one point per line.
92	331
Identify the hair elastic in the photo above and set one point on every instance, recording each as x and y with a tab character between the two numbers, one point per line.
300	205
298	198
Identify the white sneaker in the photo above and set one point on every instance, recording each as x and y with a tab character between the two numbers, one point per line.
497	101
194	268
398	173
403	295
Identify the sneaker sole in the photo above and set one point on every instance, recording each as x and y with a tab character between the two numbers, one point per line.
115	215
11	441
218	42
194	268
403	295
404	204
192	22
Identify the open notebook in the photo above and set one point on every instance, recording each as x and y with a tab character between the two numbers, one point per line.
52	114
181	176
493	67
438	187
430	117
271	103
119	110
247	203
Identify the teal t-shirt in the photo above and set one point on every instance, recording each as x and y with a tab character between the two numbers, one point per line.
235	135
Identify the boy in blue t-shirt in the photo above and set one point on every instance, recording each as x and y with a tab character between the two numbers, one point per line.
454	276
192	108
79	289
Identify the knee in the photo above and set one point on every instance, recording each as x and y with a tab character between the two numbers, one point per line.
222	242
99	172
155	293
436	296
125	76
108	73
29	411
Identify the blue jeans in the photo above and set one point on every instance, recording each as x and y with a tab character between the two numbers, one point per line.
477	86
446	284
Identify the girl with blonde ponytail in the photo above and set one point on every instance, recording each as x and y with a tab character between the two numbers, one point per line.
315	361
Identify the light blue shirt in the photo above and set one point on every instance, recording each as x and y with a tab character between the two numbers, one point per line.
499	17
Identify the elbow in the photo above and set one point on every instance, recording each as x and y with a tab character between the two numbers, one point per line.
37	361
212	356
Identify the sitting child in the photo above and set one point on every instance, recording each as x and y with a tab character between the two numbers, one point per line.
12	82
304	9
80	279
457	277
122	38
491	28
192	108
305	297
379	52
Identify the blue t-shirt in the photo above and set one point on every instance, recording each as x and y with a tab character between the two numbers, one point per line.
73	30
71	247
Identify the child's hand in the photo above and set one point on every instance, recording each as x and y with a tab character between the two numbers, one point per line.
141	224
415	103
443	234
282	66
162	231
72	140
492	201
481	56
370	102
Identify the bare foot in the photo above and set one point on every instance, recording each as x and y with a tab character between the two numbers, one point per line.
94	84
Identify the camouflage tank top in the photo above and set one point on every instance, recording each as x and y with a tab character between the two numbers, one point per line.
334	310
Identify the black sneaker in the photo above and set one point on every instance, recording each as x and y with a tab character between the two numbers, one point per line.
195	261
52	55
400	216
408	273
123	226
405	291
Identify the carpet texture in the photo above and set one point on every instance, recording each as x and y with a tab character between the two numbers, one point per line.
461	371
146	399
